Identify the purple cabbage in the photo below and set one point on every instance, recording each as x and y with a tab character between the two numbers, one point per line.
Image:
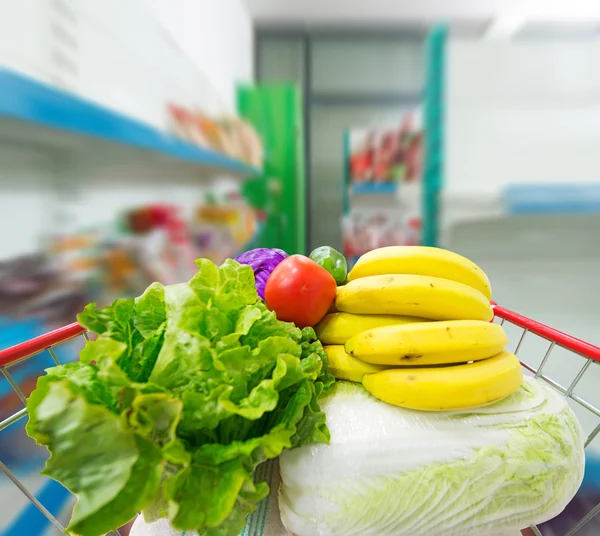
263	261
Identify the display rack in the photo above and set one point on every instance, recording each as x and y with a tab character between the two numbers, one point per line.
35	114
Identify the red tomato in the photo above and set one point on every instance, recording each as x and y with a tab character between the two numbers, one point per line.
300	291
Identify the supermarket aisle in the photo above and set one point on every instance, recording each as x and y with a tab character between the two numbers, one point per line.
542	266
547	268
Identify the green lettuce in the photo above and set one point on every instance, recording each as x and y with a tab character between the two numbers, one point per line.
397	472
185	391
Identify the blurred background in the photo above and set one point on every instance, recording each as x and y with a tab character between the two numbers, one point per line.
138	135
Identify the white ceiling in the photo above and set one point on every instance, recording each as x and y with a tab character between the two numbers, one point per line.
370	12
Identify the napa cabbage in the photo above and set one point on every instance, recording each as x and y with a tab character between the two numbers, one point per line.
392	471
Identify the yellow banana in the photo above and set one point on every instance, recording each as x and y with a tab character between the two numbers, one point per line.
448	388
333	309
337	328
429	343
421	260
346	367
413	295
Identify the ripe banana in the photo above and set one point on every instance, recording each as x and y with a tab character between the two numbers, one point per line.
413	295
448	388
429	343
337	328
421	260
333	309
346	367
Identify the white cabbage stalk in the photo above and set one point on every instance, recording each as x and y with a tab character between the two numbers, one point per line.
391	471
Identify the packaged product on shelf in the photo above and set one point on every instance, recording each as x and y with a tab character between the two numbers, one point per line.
386	155
36	286
23	279
389	164
368	229
251	143
223	229
210	129
183	123
163	242
362	156
229	135
383	177
76	253
413	231
229	143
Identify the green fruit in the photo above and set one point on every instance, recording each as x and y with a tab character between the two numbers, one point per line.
333	261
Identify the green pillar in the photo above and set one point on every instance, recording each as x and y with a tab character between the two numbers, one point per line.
276	113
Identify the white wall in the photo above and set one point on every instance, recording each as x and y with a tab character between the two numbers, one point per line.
528	112
133	55
24	50
216	34
521	112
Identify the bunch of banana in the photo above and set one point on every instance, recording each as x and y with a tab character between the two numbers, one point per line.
413	325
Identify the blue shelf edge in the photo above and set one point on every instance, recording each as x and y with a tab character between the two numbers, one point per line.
25	99
553	199
368	188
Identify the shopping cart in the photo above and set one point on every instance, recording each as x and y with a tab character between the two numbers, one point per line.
554	338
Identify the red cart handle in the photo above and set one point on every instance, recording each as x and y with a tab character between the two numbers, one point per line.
571	343
39	344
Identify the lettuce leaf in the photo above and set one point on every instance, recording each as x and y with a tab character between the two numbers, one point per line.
185	391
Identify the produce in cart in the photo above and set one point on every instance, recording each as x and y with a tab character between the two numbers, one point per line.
430	430
333	261
301	291
338	328
397	472
471	450
186	390
425	261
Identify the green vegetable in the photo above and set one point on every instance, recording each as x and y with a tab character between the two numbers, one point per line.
333	261
391	471
185	391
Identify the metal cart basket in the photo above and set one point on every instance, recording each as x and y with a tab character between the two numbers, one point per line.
48	342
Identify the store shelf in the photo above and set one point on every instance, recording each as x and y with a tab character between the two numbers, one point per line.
36	114
553	199
370	99
369	188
